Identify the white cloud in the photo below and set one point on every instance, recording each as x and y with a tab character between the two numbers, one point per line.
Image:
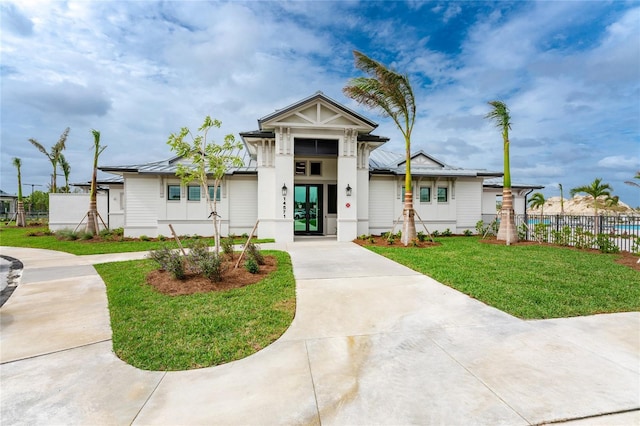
620	162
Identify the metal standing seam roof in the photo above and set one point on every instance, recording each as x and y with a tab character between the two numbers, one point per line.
380	161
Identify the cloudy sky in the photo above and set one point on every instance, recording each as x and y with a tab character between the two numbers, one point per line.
139	70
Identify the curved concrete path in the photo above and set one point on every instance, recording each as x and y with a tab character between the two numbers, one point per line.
372	343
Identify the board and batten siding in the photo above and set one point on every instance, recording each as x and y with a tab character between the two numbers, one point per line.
243	204
469	203
142	195
381	204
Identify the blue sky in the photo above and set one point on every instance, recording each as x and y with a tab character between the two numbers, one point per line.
139	70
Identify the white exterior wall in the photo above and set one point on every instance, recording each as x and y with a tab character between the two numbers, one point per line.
468	194
116	206
381	204
67	211
243	204
141	213
347	175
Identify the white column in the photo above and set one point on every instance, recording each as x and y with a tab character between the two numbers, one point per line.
347	176
282	212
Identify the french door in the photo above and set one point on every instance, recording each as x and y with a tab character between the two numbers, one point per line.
307	213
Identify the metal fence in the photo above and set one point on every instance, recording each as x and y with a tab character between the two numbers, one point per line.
599	232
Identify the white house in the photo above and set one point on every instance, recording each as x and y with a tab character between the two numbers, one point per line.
312	168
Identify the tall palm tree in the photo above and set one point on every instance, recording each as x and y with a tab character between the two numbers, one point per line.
20	219
507	231
537	200
66	170
92	215
561	199
391	94
636	184
596	189
54	155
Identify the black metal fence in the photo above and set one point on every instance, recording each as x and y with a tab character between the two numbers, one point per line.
599	232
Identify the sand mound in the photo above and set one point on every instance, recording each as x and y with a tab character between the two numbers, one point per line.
581	205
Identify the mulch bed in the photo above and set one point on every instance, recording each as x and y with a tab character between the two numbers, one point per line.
164	282
382	242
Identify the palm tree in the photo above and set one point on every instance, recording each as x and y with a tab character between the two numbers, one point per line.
20	219
596	189
54	156
92	215
66	169
507	231
636	184
537	200
561	199
390	93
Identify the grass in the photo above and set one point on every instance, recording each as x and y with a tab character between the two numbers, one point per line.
529	282
153	331
19	237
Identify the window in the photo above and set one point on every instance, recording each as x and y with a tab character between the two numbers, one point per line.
425	194
443	194
194	193
332	198
217	193
301	168
316	169
173	192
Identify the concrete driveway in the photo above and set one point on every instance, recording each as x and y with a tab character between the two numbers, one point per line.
372	342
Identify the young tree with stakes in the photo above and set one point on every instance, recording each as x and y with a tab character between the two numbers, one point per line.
208	160
390	93
20	216
53	156
507	231
92	216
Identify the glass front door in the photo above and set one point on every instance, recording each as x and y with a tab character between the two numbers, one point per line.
307	213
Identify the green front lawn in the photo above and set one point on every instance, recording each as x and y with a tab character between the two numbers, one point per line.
19	237
528	281
153	331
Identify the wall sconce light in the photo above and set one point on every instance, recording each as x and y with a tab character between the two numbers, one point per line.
284	190
349	190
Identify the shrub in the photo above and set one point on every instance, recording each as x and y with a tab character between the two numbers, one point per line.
66	235
422	237
169	260
562	237
227	247
635	248
606	244
415	242
522	232
371	240
118	232
480	228
540	232
212	267
144	238
447	233
161	237
582	239
435	233
251	265
245	236
254	253
105	234
85	235
390	238
468	233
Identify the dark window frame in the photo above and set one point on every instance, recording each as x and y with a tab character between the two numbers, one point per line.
446	194
169	197
189	198
218	195
426	199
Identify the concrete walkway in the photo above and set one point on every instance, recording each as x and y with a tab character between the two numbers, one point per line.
372	343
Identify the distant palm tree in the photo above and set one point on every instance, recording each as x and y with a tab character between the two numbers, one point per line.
20	216
596	189
507	231
92	215
66	170
391	93
636	184
561	199
54	155
537	200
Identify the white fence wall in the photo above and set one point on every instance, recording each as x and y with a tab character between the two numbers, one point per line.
66	211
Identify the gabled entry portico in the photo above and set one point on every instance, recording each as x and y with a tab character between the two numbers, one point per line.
307	155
